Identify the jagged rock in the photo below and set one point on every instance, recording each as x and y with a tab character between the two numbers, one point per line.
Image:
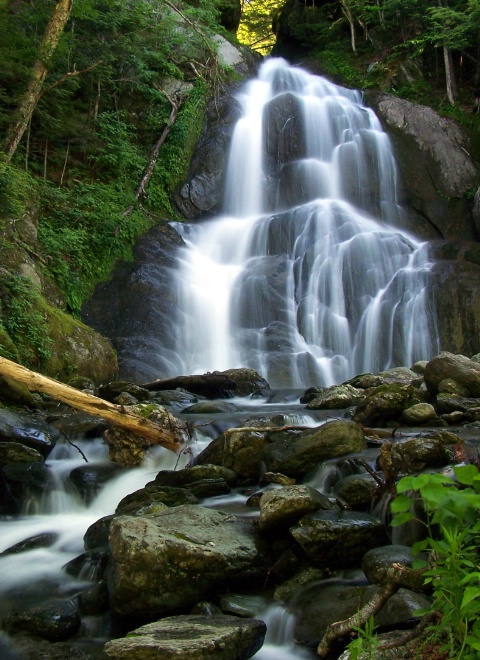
338	539
281	508
55	620
459	368
171	560
295	453
192	637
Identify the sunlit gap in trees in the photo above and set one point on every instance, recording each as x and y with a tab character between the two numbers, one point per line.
255	28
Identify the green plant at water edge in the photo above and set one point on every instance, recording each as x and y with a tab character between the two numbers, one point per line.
365	646
25	322
451	508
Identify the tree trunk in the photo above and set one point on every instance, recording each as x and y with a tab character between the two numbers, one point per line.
346	10
28	103
449	75
116	415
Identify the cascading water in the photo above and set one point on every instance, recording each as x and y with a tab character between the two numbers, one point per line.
307	278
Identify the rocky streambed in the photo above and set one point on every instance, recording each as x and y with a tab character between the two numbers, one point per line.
269	525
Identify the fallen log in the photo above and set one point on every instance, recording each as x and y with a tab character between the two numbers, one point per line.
117	415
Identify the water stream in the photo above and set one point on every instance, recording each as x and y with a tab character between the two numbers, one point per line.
307	277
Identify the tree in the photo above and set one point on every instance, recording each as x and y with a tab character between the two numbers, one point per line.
255	28
28	102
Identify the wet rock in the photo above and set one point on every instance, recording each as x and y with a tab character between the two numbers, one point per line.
450	403
178	398
25	480
93	600
323	605
171	560
338	539
239	451
215	384
27	431
32	543
194	477
111	391
14	392
281	508
14	452
337	397
55	620
89	479
357	490
129	449
419	414
153	499
459	368
33	648
210	408
385	405
295	453
191	637
244	605
306	576
88	566
419	453
98	533
377	562
451	386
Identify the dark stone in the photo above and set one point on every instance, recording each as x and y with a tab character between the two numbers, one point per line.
96	535
89	479
55	620
39	541
30	432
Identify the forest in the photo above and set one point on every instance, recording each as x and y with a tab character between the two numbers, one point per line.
102	102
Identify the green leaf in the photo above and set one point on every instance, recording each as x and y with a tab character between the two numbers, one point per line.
401	503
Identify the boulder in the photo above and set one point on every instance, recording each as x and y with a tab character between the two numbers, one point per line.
377	562
357	490
385	405
281	508
295	453
191	637
337	397
417	454
459	368
324	605
419	414
153	499
338	539
15	452
54	620
239	451
435	165
31	432
161	563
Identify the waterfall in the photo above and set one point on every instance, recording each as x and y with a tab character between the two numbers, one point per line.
308	277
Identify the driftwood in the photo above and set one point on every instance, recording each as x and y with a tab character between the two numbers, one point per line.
116	415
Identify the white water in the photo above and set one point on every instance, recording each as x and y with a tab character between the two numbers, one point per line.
307	277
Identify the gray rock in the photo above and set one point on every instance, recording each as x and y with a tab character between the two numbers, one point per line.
15	452
27	431
192	637
171	560
281	508
296	453
418	414
55	620
337	397
378	561
239	451
357	490
461	369
338	539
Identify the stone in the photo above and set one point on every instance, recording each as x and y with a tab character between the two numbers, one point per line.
337	397
281	508
31	432
153	499
357	490
161	563
377	562
15	452
418	414
239	451
295	453
55	620
385	405
338	539
191	637
459	368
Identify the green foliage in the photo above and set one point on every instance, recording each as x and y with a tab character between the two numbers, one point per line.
365	646
17	189
451	510
255	28
24	321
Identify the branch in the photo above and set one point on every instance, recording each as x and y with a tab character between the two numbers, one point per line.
341	628
70	74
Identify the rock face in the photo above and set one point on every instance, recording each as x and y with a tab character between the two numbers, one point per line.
436	169
171	560
193	637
